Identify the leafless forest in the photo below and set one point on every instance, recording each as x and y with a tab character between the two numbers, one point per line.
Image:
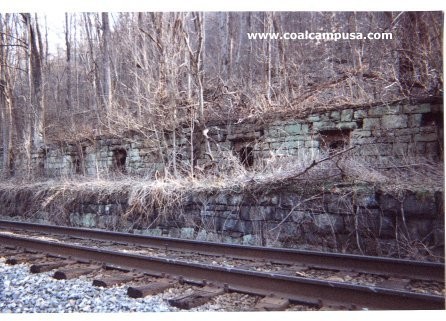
167	78
153	72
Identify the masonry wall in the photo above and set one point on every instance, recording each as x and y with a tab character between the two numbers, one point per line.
364	221
368	220
379	132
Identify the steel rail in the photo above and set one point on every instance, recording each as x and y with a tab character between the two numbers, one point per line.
349	262
296	289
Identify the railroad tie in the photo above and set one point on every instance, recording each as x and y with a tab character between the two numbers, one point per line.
150	289
108	281
23	258
48	266
75	272
197	298
10	252
272	303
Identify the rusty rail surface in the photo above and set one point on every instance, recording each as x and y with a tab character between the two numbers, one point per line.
296	289
358	263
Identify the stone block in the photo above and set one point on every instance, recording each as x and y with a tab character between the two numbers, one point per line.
250	239
359	114
400	148
271	140
231	225
403	139
245	212
394	121
360	134
270	131
247	227
221	199
384	110
300	216
305	128
202	235
152	232
376	111
244	136
233	238
426	137
371	221
347	115
327	223
335	115
428	129
371	123
324	125
419	148
187	233
277	145
347	125
417	109
415	120
88	220
235	199
369	150
281	133
420	206
333	203
297	138
367	201
293	129
292	144
312	143
289	199
406	131
257	213
107	222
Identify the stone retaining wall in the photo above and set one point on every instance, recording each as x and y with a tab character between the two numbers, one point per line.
380	132
366	220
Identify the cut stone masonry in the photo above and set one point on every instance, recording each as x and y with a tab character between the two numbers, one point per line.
370	220
380	132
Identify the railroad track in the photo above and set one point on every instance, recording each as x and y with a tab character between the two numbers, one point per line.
281	276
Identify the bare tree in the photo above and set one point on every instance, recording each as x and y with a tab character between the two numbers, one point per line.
106	61
167	71
36	85
6	99
68	99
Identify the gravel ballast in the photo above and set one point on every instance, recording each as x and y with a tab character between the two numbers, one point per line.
23	292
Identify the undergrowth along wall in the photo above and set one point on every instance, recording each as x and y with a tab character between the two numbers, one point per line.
380	134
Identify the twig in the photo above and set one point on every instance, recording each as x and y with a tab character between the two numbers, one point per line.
400	166
317	162
292	210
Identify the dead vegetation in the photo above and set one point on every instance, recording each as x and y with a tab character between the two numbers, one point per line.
146	203
165	195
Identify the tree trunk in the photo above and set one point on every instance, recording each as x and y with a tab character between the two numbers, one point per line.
106	61
37	105
68	99
6	106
